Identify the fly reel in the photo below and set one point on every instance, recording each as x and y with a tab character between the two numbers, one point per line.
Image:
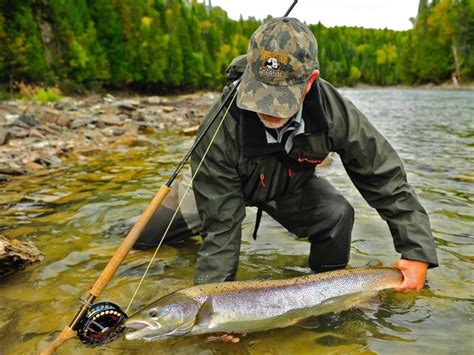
102	323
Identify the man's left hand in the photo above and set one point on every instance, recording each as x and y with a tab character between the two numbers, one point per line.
414	274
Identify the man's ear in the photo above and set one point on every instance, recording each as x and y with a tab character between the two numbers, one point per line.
311	80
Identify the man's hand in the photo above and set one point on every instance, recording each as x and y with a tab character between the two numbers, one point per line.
226	337
414	274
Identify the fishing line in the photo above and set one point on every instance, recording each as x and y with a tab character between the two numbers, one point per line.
179	204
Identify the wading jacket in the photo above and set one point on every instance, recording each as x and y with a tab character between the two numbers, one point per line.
241	169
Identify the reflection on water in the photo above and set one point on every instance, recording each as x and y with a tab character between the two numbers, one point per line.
77	216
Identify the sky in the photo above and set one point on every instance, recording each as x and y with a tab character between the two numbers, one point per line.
392	14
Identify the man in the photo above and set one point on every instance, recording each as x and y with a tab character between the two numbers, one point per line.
285	121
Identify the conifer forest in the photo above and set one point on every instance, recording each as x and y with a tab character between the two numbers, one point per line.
183	45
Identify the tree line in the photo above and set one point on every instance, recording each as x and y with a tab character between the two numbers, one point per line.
180	45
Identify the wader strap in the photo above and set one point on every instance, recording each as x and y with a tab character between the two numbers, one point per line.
257	222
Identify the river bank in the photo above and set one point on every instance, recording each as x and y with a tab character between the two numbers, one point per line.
35	136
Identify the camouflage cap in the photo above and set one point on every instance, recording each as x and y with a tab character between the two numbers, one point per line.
281	57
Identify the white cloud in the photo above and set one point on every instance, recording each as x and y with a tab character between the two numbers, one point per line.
366	13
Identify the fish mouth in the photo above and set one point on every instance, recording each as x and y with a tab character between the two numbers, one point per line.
138	324
143	329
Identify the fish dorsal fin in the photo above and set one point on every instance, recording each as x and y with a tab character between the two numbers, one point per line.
374	263
205	313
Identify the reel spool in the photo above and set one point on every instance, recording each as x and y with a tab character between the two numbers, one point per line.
102	323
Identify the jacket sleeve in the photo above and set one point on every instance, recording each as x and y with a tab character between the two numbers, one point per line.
220	202
378	173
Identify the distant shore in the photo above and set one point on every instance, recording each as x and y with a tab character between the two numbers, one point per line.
444	86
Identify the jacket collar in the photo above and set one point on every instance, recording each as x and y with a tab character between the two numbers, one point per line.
252	131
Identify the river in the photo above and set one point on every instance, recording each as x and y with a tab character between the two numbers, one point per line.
78	214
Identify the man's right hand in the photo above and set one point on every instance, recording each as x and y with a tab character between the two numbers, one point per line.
226	337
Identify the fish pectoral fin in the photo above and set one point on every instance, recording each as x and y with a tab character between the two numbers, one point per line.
308	322
183	329
205	313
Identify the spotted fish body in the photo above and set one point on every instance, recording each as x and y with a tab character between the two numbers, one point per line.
250	306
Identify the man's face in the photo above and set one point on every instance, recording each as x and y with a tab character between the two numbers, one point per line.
272	121
278	122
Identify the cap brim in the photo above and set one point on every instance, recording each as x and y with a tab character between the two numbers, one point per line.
277	101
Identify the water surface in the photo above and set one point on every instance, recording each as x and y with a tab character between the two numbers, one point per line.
78	215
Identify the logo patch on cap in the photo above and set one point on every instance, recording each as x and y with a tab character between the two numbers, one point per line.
273	65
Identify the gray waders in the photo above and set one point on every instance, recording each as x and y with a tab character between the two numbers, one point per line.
315	210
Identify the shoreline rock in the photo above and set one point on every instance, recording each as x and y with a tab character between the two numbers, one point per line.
16	255
36	136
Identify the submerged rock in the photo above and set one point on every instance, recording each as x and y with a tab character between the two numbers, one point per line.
16	255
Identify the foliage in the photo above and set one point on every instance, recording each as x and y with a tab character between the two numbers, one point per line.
48	95
163	45
42	95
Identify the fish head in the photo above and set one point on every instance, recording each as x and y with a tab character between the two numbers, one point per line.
172	315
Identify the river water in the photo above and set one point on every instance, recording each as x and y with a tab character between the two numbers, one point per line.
77	216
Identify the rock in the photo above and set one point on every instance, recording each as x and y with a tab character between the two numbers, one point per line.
109	98
113	131
33	166
144	127
4	136
4	178
81	122
55	117
35	133
109	120
153	100
128	105
168	109
190	130
92	135
10	119
18	132
16	255
11	168
29	119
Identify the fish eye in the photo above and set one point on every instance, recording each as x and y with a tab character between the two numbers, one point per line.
153	314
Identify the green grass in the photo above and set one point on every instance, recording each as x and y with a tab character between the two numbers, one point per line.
43	95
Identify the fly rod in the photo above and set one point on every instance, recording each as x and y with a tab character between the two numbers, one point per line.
102	322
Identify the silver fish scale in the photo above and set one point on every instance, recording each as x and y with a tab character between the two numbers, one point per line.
265	303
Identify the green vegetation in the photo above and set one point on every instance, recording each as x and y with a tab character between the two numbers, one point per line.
181	45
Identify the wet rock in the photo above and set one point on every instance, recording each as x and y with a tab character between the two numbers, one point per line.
113	131
16	255
190	130
11	168
39	135
56	117
18	132
92	135
168	109
34	166
109	120
35	133
4	178
81	122
29	120
128	105
4	136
